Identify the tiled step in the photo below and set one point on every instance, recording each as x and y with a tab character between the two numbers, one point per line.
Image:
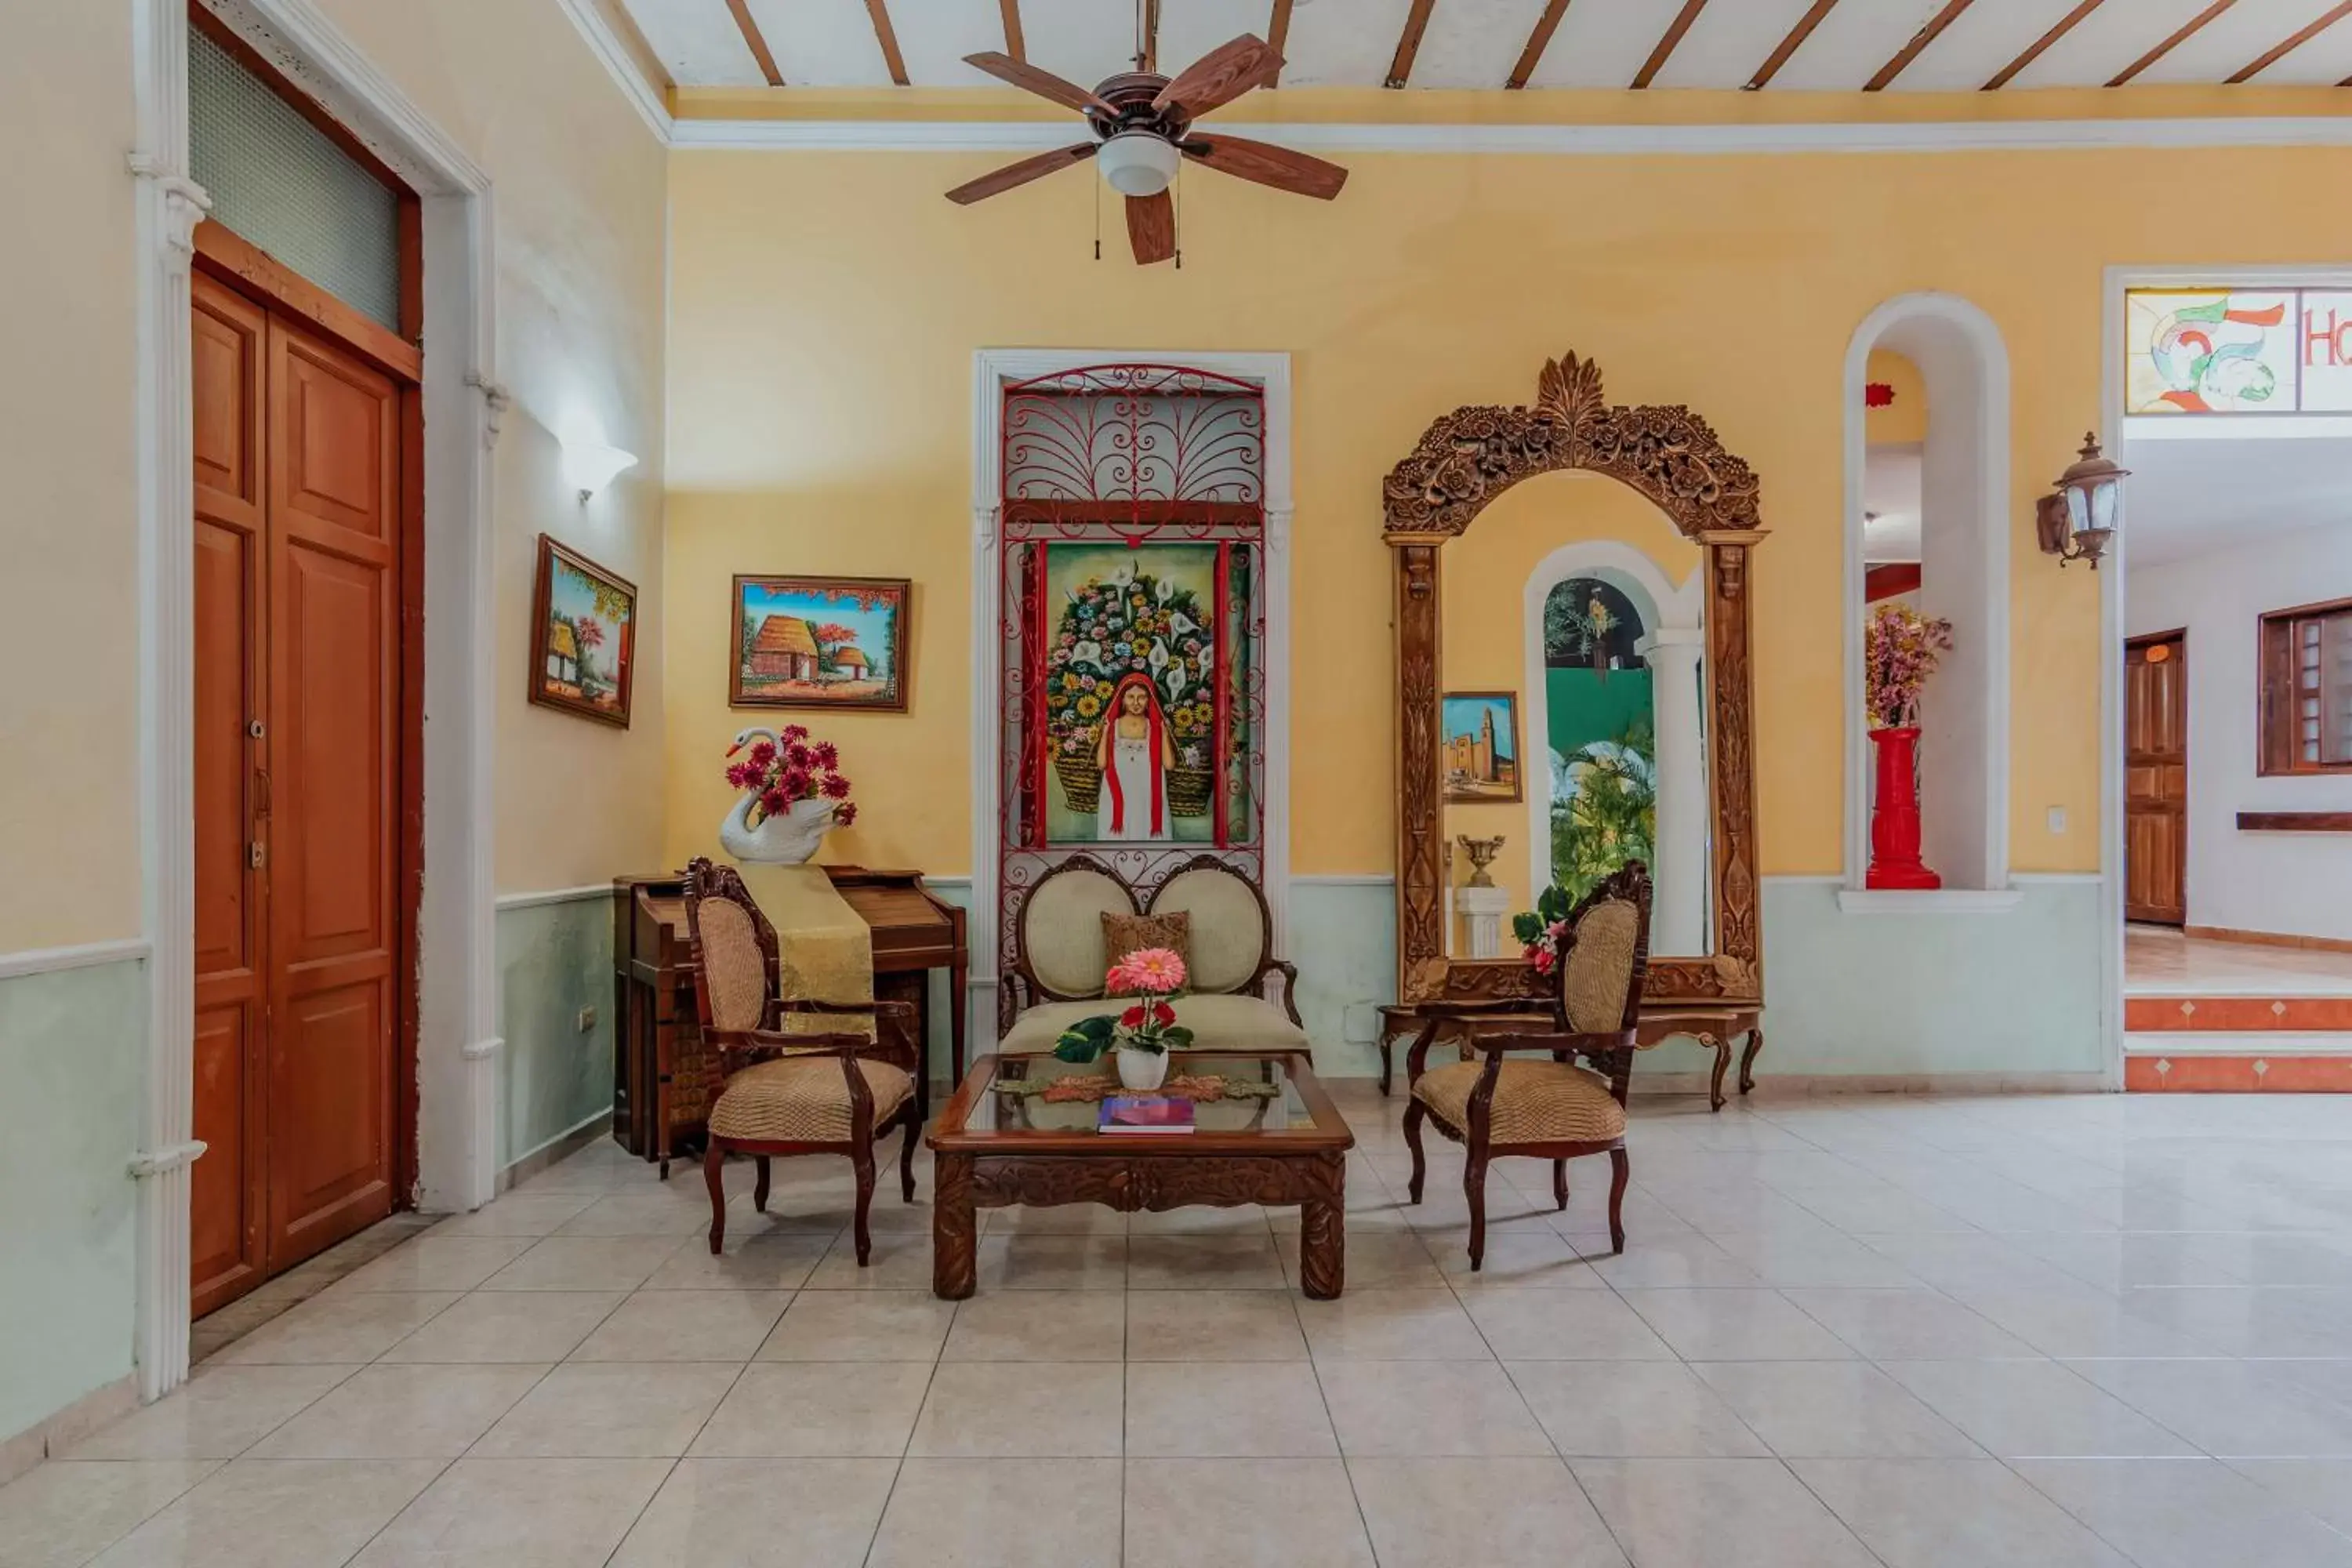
2209	1014
2246	1062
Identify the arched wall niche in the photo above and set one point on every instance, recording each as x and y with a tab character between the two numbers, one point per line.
1672	458
1963	366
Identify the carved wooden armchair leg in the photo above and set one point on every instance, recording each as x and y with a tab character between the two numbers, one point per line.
1474	1189
760	1183
1559	1182
714	1176
1413	1117
906	1156
1618	1173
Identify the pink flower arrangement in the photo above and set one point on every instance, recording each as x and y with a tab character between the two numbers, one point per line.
788	770
1150	975
1900	651
1147	971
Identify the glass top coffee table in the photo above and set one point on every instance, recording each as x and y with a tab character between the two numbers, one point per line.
1270	1136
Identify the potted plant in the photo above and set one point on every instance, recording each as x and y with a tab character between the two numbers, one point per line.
793	794
1143	1034
1900	651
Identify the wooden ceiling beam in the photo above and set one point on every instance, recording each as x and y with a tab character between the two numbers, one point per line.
1674	31
1409	43
1278	35
2292	42
1537	42
2063	25
1790	44
888	36
1918	44
1015	45
757	43
2181	35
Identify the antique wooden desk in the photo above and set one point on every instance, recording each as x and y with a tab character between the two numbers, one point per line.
660	1082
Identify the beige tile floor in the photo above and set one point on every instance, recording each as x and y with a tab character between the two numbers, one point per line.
2159	962
1918	1333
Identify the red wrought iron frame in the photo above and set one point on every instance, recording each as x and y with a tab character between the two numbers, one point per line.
1133	453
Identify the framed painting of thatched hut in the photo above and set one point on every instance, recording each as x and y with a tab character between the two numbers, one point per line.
584	636
821	642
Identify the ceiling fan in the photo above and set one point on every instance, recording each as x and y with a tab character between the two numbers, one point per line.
1142	124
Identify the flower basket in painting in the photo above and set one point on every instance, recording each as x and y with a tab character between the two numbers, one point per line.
1188	790
1081	778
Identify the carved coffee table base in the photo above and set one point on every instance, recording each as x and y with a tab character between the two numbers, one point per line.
965	1184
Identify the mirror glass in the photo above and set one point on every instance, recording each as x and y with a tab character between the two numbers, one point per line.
1572	662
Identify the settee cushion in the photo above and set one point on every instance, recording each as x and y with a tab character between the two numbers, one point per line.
1218	1023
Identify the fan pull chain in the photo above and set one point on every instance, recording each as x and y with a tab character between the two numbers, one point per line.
1098	185
1180	216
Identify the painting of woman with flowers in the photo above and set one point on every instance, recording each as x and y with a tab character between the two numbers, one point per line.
1131	663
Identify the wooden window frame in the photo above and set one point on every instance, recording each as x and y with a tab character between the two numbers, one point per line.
2279	744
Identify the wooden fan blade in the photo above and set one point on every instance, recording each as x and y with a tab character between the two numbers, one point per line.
1221	75
1044	84
1152	227
1269	165
1021	173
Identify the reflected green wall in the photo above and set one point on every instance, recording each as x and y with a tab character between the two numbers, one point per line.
1581	706
73	1046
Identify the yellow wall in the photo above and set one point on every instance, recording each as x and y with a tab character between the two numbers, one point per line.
579	184
825	308
1906	419
68	531
1484	595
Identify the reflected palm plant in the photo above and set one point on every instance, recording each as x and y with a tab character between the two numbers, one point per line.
1604	810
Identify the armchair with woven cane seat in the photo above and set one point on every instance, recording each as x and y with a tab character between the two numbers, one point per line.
789	1091
1496	1102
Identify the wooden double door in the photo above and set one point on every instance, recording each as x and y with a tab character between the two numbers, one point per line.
298	671
2155	779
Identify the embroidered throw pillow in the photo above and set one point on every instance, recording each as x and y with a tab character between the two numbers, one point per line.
1123	934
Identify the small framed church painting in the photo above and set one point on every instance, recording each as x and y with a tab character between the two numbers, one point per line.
821	642
584	636
1478	741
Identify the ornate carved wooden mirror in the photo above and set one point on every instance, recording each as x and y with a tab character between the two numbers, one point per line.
1647	588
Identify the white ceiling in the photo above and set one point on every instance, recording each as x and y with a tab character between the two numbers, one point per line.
2187	498
1474	43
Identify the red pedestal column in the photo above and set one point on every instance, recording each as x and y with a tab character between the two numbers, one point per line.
1894	819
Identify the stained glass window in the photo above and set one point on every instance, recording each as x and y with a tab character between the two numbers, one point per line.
2248	351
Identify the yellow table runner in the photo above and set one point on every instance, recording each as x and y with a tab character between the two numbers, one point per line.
826	947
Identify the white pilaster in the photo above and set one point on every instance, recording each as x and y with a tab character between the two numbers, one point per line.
1678	915
171	205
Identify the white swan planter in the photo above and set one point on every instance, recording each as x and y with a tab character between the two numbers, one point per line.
788	840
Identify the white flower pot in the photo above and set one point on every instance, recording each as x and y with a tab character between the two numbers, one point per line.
788	840
1141	1070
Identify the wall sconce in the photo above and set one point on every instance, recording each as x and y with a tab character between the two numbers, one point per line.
591	465
2076	519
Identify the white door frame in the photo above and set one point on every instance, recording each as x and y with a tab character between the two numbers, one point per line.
990	369
2115	429
457	1043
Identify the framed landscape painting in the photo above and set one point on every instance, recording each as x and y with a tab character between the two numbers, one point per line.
820	642
1478	743
584	636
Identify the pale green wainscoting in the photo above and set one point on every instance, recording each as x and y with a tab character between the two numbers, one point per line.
1887	1000
555	958
73	1048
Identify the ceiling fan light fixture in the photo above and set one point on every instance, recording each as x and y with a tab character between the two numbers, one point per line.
1139	163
